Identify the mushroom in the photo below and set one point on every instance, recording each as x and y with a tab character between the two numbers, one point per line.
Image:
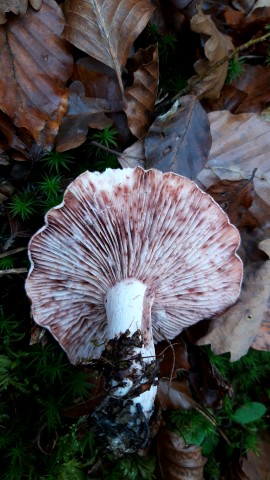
129	258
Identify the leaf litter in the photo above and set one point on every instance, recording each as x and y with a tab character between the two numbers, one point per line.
118	80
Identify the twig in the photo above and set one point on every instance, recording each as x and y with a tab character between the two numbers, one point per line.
109	150
12	252
220	62
12	270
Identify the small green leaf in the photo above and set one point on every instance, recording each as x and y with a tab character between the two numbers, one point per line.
250	412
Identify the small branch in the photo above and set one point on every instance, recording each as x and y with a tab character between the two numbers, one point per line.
109	150
12	252
13	270
220	62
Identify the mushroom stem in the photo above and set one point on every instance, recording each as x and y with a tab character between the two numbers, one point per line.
122	418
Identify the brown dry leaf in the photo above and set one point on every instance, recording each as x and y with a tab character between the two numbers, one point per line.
18	7
240	143
176	461
262	340
235	198
83	112
255	82
133	156
174	394
256	466
216	47
230	99
247	24
23	145
179	141
106	30
99	81
35	64
141	96
172	356
235	330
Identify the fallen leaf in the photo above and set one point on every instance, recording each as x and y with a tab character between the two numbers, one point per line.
133	156
235	330
255	82
247	25
205	379
255	465
215	48
176	460
18	7
179	141
141	96
172	356
99	81
22	144
262	340
174	394
106	31
235	198
83	112
35	64
240	143
230	99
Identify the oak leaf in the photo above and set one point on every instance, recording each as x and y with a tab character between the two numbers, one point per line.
106	30
18	7
216	48
141	96
35	64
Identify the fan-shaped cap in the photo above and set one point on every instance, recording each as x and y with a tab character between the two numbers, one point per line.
159	228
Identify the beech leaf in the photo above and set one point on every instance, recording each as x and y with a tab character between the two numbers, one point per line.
177	461
105	29
179	141
18	7
141	96
35	64
216	48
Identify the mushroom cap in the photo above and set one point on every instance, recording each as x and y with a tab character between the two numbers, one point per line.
159	228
